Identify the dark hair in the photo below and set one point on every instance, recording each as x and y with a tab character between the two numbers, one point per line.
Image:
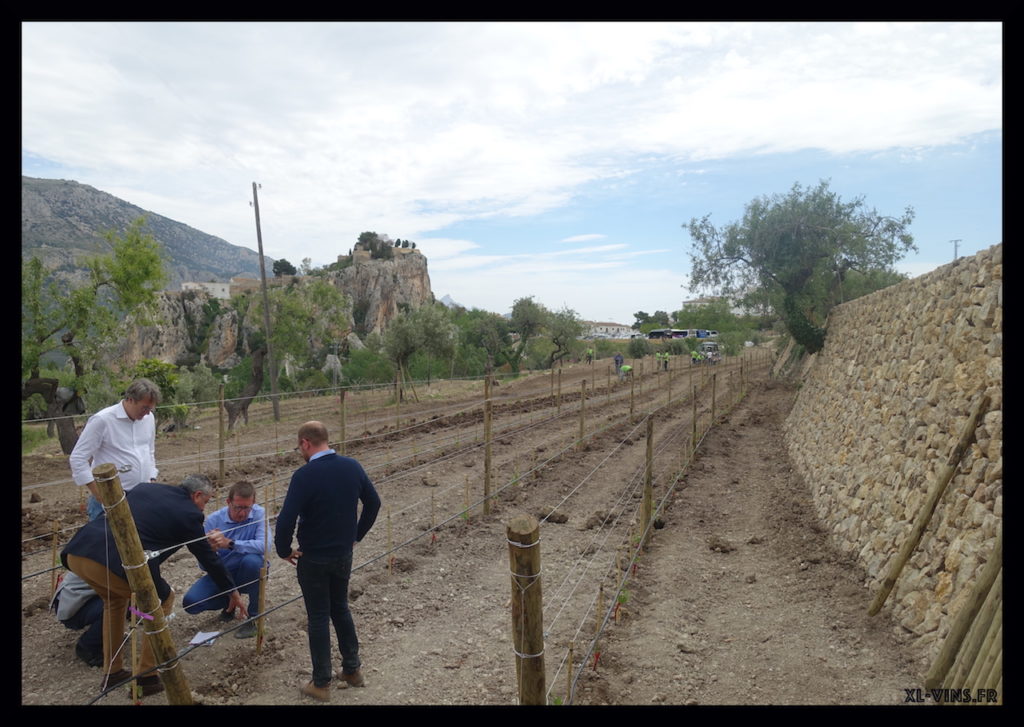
315	432
244	490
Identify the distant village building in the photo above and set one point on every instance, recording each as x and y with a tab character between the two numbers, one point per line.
736	310
606	329
248	285
214	290
362	255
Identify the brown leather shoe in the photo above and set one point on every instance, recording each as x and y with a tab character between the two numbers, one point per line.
150	685
355	679
114	678
321	693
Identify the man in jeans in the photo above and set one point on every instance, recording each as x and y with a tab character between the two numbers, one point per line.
325	493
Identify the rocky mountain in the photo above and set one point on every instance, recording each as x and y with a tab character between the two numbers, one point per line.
62	221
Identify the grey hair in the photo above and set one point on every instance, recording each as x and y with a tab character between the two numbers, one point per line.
142	389
197	483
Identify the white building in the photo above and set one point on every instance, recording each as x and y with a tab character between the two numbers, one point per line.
216	290
606	330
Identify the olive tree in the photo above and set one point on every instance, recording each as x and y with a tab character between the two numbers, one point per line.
800	248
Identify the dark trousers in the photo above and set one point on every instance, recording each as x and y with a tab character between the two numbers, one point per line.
324	584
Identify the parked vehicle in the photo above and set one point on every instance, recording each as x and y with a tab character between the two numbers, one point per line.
711	350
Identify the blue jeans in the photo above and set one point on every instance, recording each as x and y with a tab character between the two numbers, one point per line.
245	572
324	584
93	508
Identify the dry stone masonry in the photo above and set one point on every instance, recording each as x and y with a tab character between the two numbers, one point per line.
879	412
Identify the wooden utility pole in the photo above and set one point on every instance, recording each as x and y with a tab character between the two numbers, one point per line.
523	534
140	579
266	309
487	445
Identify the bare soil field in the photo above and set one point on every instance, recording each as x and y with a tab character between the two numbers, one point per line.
737	599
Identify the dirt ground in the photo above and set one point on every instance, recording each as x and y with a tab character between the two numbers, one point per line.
738	599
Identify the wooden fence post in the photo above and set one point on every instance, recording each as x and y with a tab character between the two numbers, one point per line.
487	445
523	534
583	413
647	505
126	537
344	429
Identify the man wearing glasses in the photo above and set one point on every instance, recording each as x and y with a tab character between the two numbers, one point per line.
236	532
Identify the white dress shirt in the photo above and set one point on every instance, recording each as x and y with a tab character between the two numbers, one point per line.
111	437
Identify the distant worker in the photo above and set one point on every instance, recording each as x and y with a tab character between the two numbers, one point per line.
624	371
694	356
123	435
590	355
618	362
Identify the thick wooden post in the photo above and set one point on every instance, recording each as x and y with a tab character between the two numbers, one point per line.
558	393
487	445
343	450
925	514
523	533
964	619
979	629
398	398
693	437
647	506
220	470
126	537
262	597
632	391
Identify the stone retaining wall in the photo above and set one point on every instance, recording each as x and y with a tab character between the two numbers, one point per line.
879	412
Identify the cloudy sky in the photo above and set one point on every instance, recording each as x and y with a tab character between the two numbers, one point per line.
558	160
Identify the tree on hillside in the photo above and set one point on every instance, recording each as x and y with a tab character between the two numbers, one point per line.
283	267
563	327
801	247
528	318
79	320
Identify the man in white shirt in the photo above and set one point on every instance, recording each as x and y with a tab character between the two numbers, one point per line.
122	434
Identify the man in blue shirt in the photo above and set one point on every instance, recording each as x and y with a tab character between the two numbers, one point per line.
323	497
237	533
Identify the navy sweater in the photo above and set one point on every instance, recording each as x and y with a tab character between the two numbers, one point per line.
323	497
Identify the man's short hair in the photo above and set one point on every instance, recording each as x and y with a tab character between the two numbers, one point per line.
315	432
241	490
197	483
142	389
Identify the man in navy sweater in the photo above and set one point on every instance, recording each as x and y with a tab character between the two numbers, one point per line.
323	497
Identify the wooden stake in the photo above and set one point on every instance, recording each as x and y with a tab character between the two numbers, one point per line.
221	418
647	506
261	599
583	413
963	620
391	557
568	675
558	393
54	557
134	688
343	447
979	629
487	445
693	437
925	513
523	535
714	385
126	537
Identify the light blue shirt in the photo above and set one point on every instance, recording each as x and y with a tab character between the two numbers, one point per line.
249	535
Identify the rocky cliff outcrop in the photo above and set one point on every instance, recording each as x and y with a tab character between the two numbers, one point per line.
195	328
380	289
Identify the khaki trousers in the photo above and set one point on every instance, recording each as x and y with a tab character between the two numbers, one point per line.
116	595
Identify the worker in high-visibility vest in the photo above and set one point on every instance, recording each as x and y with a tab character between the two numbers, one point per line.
694	356
624	371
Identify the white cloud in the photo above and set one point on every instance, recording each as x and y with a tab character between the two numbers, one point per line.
583	238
